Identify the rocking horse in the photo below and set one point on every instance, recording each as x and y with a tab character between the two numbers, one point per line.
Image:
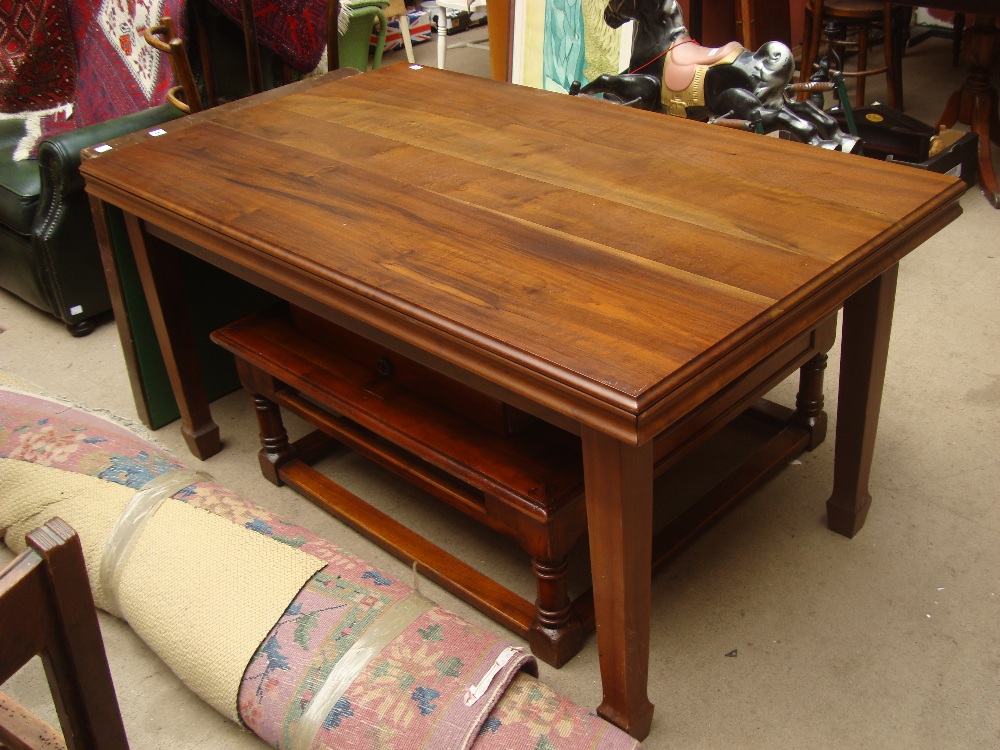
671	72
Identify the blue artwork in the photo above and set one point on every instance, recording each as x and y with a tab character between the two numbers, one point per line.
557	42
562	51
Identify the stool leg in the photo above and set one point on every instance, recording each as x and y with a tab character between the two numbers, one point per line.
809	400
836	43
555	636
275	448
404	28
891	74
442	35
811	40
859	94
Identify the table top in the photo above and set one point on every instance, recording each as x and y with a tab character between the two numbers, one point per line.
609	263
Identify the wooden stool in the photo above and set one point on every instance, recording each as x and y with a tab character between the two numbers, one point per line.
509	471
863	14
976	102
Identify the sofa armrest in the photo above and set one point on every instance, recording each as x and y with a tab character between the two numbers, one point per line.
63	237
59	156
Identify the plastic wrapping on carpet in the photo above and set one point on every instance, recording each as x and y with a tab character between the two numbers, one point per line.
348	657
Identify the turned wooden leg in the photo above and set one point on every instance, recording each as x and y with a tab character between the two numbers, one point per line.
442	35
619	486
163	286
809	400
275	448
984	118
979	108
863	353
556	636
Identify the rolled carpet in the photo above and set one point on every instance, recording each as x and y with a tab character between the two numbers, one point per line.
299	640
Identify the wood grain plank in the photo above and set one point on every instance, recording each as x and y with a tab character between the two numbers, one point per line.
627	323
530	207
679	140
693	248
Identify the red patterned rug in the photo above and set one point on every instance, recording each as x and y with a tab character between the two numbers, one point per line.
295	30
116	73
37	69
37	63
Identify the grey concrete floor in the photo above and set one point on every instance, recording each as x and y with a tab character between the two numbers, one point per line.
889	640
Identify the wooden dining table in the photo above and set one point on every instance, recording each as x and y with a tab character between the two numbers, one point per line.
610	271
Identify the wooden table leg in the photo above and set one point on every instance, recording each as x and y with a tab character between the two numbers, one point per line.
102	227
863	352
159	271
619	488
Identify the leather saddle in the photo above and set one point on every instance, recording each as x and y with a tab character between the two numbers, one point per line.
684	60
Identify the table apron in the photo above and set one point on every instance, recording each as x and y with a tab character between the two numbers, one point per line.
463	361
813	304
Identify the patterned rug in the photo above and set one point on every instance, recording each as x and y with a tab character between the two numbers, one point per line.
116	72
352	659
37	63
295	30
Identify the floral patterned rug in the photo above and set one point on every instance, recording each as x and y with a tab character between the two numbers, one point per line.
356	660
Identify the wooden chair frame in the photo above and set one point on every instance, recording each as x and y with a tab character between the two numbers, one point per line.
163	37
813	39
47	610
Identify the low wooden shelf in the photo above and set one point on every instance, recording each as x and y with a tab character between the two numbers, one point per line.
508	470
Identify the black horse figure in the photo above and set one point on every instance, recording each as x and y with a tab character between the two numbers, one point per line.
670	72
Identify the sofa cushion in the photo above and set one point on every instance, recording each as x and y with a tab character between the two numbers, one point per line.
20	185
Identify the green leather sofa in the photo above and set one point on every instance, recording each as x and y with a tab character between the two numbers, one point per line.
49	255
48	251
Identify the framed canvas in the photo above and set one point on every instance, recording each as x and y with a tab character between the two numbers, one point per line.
556	42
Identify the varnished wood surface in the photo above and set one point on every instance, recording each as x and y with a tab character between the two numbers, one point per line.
20	729
662	247
608	270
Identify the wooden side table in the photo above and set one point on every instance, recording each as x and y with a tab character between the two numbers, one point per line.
505	469
975	104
